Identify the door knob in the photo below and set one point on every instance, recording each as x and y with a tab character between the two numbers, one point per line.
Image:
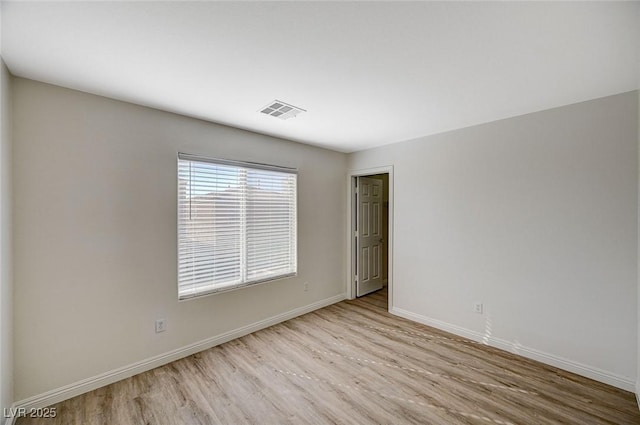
380	240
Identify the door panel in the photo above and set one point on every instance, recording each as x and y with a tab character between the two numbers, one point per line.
365	261
369	238
375	266
366	222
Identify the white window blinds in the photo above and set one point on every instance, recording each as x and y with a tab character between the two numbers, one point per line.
236	224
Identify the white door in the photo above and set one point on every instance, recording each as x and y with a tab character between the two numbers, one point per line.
369	236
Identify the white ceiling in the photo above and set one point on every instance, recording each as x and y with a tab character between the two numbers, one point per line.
368	73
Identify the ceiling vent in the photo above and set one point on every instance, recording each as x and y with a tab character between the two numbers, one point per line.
281	110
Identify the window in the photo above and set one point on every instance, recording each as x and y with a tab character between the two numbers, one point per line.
236	224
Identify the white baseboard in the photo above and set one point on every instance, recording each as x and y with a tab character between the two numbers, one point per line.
68	391
638	392
600	375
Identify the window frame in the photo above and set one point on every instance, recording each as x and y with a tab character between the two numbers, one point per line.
244	242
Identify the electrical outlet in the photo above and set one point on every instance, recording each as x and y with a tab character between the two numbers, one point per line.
161	325
306	286
477	307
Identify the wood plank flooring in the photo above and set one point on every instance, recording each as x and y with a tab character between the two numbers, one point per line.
350	363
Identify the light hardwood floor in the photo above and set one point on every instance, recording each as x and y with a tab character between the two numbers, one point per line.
351	363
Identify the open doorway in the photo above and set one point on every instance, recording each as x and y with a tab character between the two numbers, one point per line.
371	233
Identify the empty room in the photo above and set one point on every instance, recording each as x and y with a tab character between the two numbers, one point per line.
311	212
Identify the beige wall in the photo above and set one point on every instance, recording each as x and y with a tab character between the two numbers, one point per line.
6	276
95	234
537	217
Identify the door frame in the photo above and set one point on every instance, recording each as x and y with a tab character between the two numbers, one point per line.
351	210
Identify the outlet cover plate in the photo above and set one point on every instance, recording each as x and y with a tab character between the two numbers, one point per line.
161	325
